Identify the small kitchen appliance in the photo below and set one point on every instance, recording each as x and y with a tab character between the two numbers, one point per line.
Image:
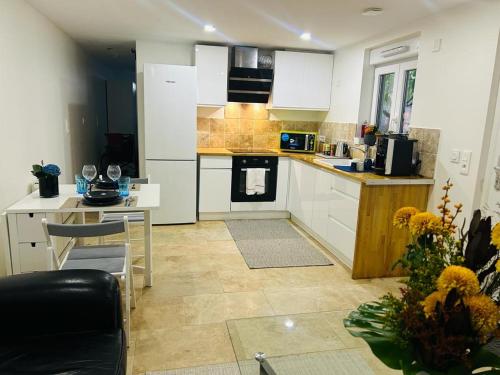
296	141
396	155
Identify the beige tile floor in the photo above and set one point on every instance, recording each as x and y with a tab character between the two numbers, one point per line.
202	285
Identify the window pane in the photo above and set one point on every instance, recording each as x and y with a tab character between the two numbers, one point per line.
410	76
384	102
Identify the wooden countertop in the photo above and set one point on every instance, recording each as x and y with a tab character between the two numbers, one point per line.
367	178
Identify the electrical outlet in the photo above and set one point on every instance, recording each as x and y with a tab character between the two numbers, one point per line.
322	138
455	156
465	162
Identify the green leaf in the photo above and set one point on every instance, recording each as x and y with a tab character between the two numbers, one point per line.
391	354
484	358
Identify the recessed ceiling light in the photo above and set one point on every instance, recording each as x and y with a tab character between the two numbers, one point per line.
305	36
209	28
372	12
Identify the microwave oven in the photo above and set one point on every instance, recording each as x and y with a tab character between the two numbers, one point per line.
297	141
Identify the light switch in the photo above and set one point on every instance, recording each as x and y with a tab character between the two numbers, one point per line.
455	156
322	138
465	162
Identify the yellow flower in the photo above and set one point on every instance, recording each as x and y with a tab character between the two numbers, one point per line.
484	315
495	236
461	278
425	223
431	301
403	215
497	265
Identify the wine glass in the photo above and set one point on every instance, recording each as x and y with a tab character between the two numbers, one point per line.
89	172
114	172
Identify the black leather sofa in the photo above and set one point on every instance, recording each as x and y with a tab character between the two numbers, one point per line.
61	322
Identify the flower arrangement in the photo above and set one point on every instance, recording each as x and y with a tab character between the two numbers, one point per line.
40	170
448	308
47	179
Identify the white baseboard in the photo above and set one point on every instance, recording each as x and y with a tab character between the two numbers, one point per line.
345	261
243	215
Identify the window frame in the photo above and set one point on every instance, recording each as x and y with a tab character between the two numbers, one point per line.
399	70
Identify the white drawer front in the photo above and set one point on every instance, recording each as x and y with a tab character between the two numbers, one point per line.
342	239
344	209
29	227
216	162
346	186
33	257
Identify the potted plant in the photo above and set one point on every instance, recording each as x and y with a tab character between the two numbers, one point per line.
48	181
370	137
448	309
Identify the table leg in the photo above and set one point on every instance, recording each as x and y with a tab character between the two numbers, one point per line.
148	249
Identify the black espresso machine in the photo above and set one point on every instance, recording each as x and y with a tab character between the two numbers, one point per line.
396	155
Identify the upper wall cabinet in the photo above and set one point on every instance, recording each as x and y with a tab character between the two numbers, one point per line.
211	66
302	81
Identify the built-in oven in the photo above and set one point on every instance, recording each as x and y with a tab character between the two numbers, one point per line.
241	165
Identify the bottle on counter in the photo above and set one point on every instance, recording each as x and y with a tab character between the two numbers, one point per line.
326	149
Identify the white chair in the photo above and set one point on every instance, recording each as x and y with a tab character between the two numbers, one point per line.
114	259
134	218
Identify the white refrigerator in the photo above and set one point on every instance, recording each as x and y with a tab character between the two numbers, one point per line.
170	139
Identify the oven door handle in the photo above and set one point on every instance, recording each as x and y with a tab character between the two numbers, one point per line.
245	169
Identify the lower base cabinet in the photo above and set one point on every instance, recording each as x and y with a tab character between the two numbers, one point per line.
352	219
215	190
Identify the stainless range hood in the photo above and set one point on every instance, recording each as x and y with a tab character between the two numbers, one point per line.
249	82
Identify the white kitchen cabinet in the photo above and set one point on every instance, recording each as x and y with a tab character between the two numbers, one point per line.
215	190
342	239
322	196
215	184
302	80
301	191
282	184
211	71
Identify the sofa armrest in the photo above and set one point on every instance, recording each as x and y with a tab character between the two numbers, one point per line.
59	302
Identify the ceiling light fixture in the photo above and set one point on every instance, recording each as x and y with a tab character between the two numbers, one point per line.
305	36
209	28
370	12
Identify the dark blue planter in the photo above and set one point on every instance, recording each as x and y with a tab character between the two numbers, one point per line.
48	186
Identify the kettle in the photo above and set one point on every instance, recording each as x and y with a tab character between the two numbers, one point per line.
342	149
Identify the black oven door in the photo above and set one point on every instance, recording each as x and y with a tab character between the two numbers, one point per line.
239	178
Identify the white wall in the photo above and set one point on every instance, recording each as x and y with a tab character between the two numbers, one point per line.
155	53
44	79
453	91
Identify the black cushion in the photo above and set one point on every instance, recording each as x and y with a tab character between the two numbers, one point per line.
61	322
92	353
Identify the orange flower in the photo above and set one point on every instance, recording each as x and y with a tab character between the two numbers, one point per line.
495	236
425	223
484	315
431	301
403	215
457	277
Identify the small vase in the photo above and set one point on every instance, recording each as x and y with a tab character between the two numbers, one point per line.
48	186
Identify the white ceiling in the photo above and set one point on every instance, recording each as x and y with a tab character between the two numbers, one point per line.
275	23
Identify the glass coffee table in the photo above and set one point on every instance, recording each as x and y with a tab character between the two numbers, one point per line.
301	344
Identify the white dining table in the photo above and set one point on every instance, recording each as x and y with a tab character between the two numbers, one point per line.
145	199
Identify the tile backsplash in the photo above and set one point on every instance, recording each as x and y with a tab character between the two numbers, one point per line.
428	143
249	126
246	126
